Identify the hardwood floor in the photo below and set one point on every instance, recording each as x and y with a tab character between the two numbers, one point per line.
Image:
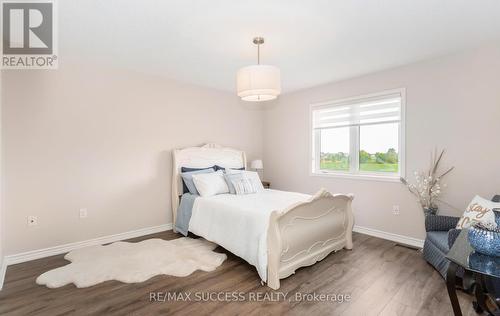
381	278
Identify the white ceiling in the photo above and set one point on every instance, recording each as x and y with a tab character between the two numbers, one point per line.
313	42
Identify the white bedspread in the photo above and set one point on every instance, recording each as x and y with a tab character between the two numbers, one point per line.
239	222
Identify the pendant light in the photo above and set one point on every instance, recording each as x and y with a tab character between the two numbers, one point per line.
258	82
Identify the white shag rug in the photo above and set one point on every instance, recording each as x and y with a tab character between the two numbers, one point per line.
134	262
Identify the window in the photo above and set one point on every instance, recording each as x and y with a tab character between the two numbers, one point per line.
359	137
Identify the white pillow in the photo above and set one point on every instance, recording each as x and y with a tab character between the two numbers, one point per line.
209	184
479	211
254	177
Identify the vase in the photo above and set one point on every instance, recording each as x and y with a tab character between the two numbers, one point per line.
430	211
485	241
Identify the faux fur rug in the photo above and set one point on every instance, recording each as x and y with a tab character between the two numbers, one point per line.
134	262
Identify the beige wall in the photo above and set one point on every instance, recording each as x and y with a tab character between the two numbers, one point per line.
1	194
452	102
89	137
99	138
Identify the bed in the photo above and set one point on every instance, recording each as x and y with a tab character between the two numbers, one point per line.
276	231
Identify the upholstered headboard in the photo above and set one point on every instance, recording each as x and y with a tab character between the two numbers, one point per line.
201	157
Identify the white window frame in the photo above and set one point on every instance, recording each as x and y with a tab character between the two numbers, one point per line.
354	173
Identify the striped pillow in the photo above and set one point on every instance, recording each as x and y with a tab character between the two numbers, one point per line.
244	185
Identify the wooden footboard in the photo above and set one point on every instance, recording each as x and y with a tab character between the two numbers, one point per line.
306	233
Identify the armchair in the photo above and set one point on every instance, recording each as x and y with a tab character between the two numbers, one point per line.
441	234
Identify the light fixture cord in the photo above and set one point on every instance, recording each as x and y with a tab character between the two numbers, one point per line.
258	54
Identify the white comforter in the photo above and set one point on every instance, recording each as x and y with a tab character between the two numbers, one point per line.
239	222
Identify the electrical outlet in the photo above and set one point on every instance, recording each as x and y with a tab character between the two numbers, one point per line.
32	220
83	213
395	209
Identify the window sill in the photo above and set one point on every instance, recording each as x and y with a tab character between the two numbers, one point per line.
369	177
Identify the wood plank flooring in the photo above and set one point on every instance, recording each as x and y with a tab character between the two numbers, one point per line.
381	277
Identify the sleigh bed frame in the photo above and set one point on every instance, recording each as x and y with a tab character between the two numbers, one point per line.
298	236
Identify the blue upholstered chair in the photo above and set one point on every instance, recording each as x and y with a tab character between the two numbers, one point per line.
441	234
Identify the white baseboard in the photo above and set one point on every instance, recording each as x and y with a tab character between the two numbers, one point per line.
57	250
410	241
3	269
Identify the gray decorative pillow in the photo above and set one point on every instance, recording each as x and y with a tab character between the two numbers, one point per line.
187	177
229	179
240	183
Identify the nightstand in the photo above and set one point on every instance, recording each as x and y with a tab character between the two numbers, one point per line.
266	184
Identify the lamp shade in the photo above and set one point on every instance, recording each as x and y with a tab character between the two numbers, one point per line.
256	164
258	83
